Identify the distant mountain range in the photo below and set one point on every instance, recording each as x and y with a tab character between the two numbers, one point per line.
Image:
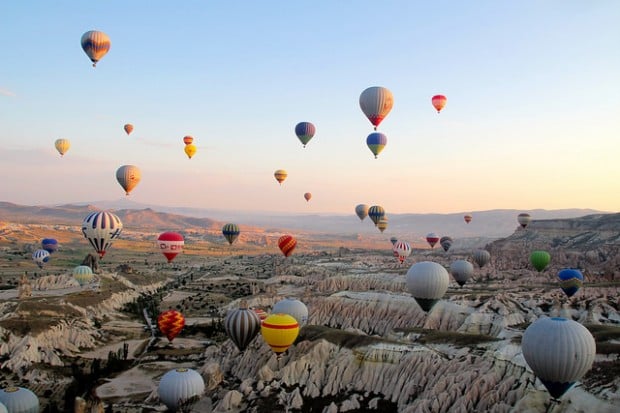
485	224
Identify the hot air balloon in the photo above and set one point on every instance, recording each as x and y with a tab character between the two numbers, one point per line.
307	196
376	102
375	213
50	245
287	244
280	175
231	232
361	211
95	44
446	243
128	128
427	282
382	224
83	274
432	239
279	331
190	150
439	101
467	218
40	257
524	219
305	131
403	250
128	176
62	146
170	323
242	325
482	257
178	386
393	240
540	260
170	244
100	229
559	352
571	280
19	400
376	142
188	140
461	271
294	308
262	314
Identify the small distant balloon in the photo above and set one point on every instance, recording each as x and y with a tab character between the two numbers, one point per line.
305	131
361	211
50	245
280	175
231	232
540	260
402	250
83	274
190	150
95	44
376	212
482	257
467	218
393	240
445	242
376	102
128	128
461	271
571	280
287	244
62	146
439	102
307	196
40	257
188	140
128	176
170	244
524	219
432	239
376	142
382	224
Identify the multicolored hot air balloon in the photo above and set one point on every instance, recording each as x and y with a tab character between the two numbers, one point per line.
376	212
231	232
294	308
190	150
540	260
376	102
95	44
100	229
445	242
170	323
280	175
361	211
50	245
62	146
242	325
427	282
467	218
287	244
382	224
402	250
439	101
178	386
19	400
40	257
559	352
128	128
571	280
279	331
170	244
524	219
305	131
376	142
432	239
188	140
482	257
128	176
83	274
461	271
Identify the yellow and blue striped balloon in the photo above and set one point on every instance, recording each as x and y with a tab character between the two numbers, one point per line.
376	142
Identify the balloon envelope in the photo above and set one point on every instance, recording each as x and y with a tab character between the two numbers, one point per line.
482	257
376	212
242	325
540	260
446	243
432	239
524	219
393	240
170	244
279	331
439	102
361	211
461	271
40	257
382	224
128	176
179	385
287	244
376	142
467	218
62	146
427	282
402	250
190	150
305	131
100	229
571	280
231	232
280	175
170	323
294	308
19	400
128	128
376	102
50	245
83	274
188	140
95	44
307	196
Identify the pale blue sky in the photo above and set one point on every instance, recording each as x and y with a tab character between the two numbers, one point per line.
532	119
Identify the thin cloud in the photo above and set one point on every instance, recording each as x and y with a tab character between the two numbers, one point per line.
8	93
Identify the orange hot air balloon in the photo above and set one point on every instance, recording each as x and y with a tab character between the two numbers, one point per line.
467	218
279	331
439	101
128	128
287	244
307	196
188	140
280	175
170	323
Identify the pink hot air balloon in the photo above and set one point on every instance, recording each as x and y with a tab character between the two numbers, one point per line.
439	101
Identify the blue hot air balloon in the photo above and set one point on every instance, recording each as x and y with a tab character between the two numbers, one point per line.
50	245
376	141
305	131
571	281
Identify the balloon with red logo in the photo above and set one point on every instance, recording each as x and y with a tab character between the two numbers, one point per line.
376	102
170	244
439	101
170	323
287	244
432	239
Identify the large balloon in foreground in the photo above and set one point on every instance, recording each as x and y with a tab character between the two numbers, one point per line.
571	280
427	282
432	239
376	142
170	323
402	250
439	102
170	244
559	352
95	44
305	131
128	176
376	102
280	175
461	271
62	146
178	386
50	245
540	260
361	211
190	150
376	212
467	218
307	196
231	232
19	400
100	229
83	274
287	244
482	257
40	257
524	219
128	128
279	331
445	242
242	325
294	308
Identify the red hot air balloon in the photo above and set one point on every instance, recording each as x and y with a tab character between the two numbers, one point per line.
170	323
432	239
287	244
188	140
170	244
439	101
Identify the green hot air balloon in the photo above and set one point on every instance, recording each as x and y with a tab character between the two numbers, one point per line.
540	260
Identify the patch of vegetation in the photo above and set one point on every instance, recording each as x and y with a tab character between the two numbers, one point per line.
339	337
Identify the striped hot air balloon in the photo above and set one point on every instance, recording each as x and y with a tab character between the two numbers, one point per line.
439	102
231	232
445	242
287	244
170	323
305	131
170	244
571	280
482	257
95	44
402	250
62	146
540	260
262	314
19	400
376	102
100	229
427	282
40	257
376	212
376	142
382	224
280	175
188	140
83	274
128	176
461	271
178	386
279	331
241	326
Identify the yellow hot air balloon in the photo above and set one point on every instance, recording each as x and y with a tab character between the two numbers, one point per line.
62	146
190	150
279	331
128	176
95	44
280	175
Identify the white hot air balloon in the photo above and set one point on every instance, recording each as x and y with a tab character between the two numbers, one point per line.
83	274
179	385
427	282
19	400
524	219
461	271
559	352
402	250
40	257
294	308
3	408
128	176
100	229
376	102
